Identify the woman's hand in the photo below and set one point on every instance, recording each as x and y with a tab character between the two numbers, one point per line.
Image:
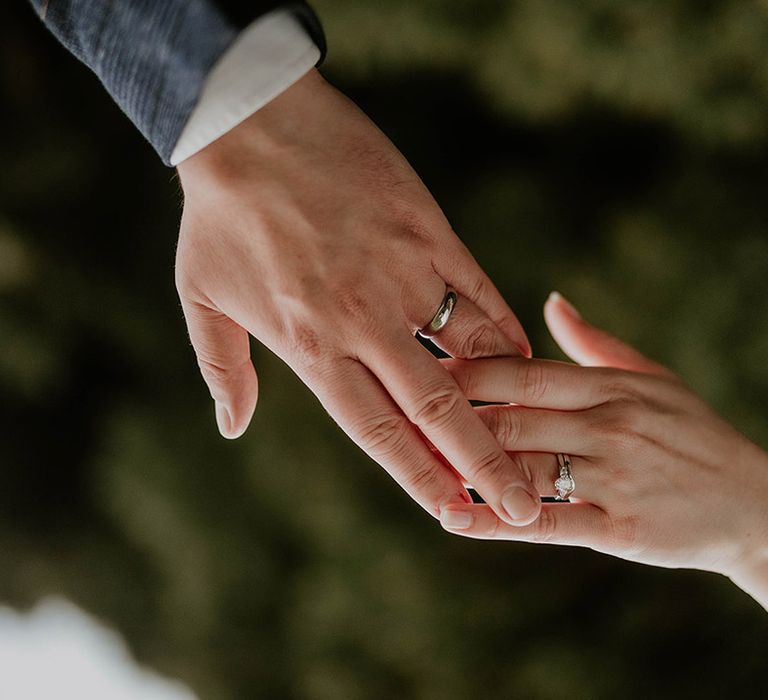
660	478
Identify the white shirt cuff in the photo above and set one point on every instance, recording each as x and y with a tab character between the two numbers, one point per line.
266	58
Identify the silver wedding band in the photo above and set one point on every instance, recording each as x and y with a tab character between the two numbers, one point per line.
564	484
440	319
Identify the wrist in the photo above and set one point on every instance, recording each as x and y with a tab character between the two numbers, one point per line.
749	571
260	137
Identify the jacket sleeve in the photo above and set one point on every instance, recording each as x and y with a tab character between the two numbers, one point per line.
153	56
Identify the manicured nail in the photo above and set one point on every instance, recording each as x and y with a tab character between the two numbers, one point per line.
456	519
569	308
525	349
223	420
518	503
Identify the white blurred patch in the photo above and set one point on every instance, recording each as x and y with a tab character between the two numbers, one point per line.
58	652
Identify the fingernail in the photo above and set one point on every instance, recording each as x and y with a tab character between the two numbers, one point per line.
569	308
525	349
223	420
518	503
456	519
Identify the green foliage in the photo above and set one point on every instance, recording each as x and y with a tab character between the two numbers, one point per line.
699	65
615	151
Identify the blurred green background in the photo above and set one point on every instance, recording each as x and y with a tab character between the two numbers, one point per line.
616	151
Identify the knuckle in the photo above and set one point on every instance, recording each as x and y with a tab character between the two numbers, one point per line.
493	528
350	301
478	342
463	376
533	380
354	311
309	350
489	467
478	288
438	406
505	424
416	229
622	422
421	478
493	418
510	428
212	372
387	438
545	526
413	226
383	435
620	385
523	467
220	374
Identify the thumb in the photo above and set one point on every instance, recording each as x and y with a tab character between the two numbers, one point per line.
591	346
224	357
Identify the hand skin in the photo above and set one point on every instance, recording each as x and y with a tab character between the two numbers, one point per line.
660	478
305	227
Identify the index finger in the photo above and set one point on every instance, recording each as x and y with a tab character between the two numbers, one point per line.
575	524
541	383
431	399
363	409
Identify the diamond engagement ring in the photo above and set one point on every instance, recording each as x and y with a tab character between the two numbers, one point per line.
564	484
441	316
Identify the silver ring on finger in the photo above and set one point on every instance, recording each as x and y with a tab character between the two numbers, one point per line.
440	319
564	484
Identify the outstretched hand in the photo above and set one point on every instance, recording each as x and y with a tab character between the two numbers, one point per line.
306	228
660	478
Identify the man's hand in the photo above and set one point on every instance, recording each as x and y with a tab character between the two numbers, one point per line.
305	227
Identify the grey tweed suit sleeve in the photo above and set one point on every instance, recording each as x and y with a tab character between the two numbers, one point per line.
153	55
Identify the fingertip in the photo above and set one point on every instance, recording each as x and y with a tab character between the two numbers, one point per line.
234	432
557	301
551	306
511	327
521	507
224	422
235	409
514	330
534	515
233	423
563	321
454	519
525	349
554	295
